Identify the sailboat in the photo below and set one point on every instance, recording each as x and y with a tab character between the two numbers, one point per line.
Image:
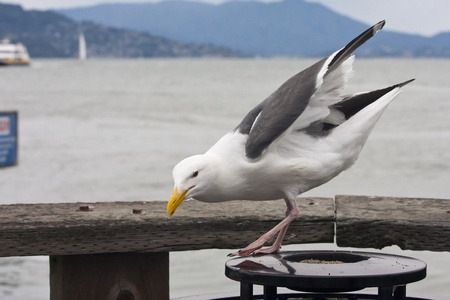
81	47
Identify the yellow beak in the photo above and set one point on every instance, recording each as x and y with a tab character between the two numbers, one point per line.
174	201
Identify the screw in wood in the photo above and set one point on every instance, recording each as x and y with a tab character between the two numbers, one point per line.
137	210
84	208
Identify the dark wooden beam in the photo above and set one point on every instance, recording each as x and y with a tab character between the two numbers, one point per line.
112	227
377	222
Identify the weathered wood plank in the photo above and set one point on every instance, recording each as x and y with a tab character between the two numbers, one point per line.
110	276
111	227
377	222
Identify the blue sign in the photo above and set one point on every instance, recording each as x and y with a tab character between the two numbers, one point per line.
8	139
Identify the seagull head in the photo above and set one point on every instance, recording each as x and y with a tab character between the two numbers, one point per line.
191	177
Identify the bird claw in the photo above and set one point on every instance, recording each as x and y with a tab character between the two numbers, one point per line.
247	252
242	253
233	254
254	248
254	252
268	250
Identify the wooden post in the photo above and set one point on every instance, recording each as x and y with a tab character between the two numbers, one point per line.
111	276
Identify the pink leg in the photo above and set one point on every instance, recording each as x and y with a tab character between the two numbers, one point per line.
277	245
291	213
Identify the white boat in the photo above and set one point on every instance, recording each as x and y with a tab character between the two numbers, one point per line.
13	54
81	47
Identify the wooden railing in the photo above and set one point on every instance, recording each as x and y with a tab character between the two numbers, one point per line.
116	251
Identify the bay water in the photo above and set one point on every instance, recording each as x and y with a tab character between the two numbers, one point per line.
112	130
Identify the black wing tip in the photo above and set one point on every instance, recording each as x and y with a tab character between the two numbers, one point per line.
404	83
377	27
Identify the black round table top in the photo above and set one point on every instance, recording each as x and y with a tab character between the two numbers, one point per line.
326	271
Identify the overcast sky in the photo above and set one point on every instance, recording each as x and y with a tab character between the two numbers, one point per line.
426	17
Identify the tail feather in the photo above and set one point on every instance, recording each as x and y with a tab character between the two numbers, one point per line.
355	103
364	120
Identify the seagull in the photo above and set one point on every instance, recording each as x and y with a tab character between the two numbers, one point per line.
301	136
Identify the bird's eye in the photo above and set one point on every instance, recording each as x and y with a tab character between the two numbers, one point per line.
195	174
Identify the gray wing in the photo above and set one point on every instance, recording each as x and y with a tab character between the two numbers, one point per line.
273	116
267	121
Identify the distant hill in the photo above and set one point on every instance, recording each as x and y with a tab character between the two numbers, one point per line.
287	28
50	34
